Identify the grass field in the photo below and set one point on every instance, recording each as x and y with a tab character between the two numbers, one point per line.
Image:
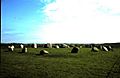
60	63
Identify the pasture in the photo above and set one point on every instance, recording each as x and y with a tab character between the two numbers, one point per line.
60	63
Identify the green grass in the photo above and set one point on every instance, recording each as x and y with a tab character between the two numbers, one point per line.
60	63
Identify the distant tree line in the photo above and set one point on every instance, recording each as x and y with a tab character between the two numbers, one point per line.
17	45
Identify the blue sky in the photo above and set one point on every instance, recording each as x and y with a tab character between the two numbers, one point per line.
60	21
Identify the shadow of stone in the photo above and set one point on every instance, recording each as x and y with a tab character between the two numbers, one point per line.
63	55
21	52
7	51
38	54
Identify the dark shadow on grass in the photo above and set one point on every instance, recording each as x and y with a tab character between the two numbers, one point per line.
41	55
21	52
6	51
69	55
38	54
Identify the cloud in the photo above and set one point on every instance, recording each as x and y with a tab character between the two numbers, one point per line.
113	6
82	21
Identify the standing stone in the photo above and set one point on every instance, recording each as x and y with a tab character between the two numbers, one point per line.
21	46
35	45
57	46
95	49
42	52
104	48
9	48
48	45
109	48
12	48
80	46
75	50
24	50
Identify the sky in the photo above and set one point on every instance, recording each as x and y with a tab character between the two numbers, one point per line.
60	21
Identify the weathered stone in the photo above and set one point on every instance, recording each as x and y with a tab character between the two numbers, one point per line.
42	52
95	49
75	50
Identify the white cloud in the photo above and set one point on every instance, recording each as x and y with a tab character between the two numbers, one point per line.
112	5
81	21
